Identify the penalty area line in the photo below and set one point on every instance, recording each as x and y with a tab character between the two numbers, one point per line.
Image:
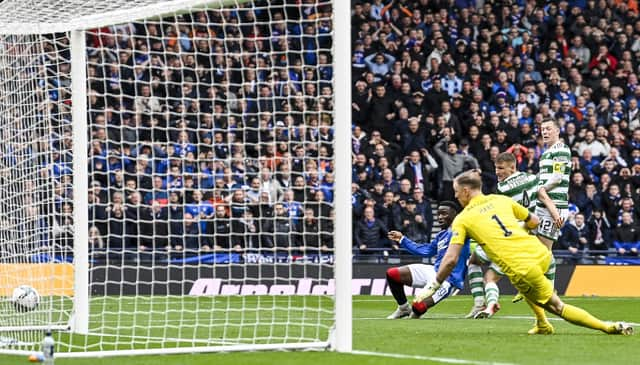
497	317
445	360
466	297
555	319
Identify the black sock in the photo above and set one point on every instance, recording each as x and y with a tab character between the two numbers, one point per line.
397	290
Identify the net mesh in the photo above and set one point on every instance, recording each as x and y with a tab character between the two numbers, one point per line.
36	226
210	175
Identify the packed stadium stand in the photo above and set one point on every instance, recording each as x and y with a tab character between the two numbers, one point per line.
438	87
199	146
443	86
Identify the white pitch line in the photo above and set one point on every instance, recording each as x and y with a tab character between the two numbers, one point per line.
553	319
380	298
453	316
446	360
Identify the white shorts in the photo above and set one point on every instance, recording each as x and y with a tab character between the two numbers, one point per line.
482	256
547	228
422	274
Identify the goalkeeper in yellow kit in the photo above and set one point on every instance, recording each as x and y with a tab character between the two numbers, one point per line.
493	221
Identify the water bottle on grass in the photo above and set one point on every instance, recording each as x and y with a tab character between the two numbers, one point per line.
48	344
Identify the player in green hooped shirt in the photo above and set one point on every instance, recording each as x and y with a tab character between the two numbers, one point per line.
553	188
552	206
523	188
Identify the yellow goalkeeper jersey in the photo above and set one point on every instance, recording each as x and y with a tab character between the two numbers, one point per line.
493	221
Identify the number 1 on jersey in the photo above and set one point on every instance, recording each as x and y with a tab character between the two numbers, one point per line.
507	232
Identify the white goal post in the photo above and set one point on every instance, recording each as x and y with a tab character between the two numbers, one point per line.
175	176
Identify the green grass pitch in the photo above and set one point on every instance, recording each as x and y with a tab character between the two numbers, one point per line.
442	336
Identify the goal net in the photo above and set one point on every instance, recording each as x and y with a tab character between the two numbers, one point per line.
36	224
168	175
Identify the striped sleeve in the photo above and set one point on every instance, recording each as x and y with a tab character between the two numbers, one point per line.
521	187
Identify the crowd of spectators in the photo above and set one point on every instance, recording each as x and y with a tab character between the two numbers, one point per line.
213	131
209	132
440	86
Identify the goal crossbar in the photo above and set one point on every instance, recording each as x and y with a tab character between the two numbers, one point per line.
12	10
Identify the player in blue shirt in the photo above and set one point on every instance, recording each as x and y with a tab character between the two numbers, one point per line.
419	275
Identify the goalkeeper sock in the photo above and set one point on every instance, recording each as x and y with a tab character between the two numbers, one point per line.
492	293
541	316
551	272
583	318
476	283
395	285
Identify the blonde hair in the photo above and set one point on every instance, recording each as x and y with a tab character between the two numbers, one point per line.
506	157
470	179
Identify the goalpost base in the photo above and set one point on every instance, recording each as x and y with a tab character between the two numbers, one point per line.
182	350
35	328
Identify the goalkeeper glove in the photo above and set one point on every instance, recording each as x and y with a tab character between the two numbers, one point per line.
428	291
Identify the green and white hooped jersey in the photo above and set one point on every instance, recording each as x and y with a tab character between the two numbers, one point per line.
555	164
521	187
